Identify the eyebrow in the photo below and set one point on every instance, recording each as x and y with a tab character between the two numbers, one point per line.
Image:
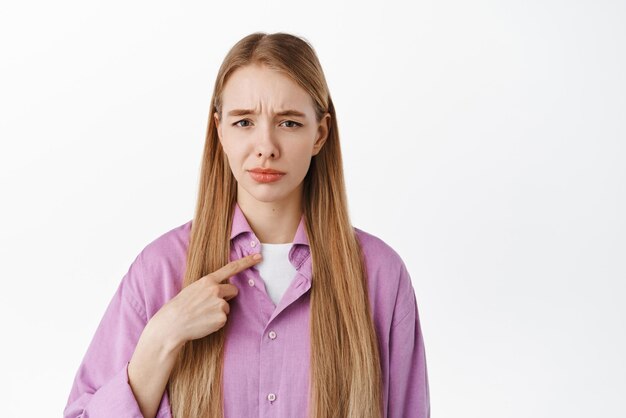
288	112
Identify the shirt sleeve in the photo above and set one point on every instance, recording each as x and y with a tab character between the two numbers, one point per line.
408	375
101	388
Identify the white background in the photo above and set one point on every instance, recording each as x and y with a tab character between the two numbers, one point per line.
483	140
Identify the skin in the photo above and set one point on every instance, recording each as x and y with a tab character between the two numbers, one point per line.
272	209
264	139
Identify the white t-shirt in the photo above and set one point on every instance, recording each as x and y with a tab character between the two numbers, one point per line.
276	269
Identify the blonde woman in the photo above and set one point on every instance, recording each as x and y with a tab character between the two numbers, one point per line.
325	324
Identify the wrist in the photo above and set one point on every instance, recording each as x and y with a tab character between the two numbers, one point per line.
167	342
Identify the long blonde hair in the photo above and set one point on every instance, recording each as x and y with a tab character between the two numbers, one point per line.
345	365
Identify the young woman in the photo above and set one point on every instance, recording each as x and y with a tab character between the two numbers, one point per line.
325	325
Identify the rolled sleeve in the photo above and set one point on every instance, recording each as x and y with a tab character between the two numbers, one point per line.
101	387
113	399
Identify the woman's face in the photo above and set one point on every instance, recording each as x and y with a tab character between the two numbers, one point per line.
253	134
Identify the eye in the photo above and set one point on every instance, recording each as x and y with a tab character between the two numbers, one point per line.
242	120
291	121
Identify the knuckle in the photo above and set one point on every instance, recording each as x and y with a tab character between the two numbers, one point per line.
234	266
226	307
213	290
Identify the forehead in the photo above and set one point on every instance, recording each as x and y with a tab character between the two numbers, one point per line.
265	90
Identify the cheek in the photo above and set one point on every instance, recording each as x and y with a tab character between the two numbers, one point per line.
232	158
303	159
232	148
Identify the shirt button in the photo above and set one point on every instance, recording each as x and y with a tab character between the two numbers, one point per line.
271	397
251	282
272	335
252	243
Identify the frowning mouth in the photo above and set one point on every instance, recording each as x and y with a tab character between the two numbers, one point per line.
265	170
265	176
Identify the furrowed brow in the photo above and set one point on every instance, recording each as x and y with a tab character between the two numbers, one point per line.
290	112
242	112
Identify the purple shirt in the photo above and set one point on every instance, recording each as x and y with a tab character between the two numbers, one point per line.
266	367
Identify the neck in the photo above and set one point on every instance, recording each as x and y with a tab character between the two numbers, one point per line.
272	222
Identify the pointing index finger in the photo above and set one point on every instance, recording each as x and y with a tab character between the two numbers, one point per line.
236	266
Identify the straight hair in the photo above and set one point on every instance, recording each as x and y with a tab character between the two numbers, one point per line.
345	378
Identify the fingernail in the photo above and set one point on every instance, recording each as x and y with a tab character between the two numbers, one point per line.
257	256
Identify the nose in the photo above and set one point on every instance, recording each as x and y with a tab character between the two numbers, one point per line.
266	145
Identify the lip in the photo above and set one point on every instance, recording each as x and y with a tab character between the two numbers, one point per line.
265	170
265	175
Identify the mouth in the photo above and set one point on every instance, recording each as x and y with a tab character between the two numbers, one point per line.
266	177
265	171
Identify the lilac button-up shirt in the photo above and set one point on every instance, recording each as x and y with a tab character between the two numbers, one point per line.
266	367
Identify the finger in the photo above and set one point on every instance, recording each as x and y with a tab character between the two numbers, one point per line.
227	291
234	267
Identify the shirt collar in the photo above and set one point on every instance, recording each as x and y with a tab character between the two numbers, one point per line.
241	225
299	254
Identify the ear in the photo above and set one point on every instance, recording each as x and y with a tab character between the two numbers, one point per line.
323	129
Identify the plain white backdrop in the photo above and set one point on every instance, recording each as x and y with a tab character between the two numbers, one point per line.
483	140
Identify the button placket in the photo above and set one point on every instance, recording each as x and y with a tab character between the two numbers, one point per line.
269	352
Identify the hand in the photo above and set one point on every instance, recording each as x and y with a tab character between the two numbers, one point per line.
200	308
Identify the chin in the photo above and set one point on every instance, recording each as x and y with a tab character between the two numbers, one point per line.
267	196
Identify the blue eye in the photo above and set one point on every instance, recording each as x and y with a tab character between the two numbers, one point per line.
242	120
291	121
